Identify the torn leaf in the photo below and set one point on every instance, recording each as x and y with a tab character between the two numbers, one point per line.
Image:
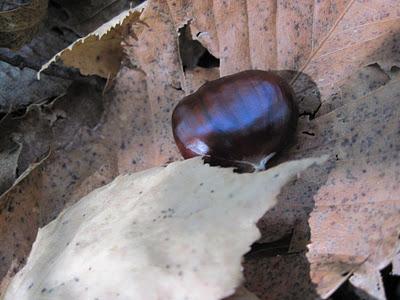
19	25
100	52
161	233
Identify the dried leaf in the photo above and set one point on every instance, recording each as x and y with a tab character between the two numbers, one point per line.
323	52
355	86
38	197
330	42
78	162
396	265
369	282
356	214
13	78
85	16
19	25
9	154
147	218
100	52
25	141
66	21
47	126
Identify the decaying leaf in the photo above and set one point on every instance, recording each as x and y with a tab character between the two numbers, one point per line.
150	231
24	141
323	41
18	25
342	58
356	214
74	163
39	196
100	52
352	201
66	21
85	16
27	139
9	154
12	96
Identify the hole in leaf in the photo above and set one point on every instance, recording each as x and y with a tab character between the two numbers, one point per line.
58	10
192	52
375	66
270	249
207	60
57	30
178	88
391	283
395	69
308	133
345	292
18	113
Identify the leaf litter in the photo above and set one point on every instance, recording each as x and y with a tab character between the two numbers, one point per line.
351	52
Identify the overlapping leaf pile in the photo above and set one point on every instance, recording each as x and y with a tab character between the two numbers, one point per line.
342	58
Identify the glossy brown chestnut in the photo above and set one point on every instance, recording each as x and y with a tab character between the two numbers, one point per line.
242	118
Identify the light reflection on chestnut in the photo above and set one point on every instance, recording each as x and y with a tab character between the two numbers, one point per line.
244	118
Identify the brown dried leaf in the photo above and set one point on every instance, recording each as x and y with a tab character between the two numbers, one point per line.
65	22
330	42
356	214
9	154
43	193
25	141
352	200
326	42
100	52
19	87
19	25
47	126
79	162
86	15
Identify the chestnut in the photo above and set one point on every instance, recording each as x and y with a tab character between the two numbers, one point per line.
244	118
